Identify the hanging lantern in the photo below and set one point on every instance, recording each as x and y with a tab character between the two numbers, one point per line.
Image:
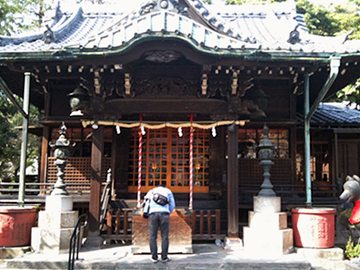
77	99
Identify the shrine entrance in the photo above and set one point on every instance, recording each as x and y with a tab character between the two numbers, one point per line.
166	158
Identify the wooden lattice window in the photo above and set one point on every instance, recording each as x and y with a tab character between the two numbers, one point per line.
81	138
251	172
250	138
166	158
319	162
77	171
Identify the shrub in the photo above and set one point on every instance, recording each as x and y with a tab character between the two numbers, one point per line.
351	250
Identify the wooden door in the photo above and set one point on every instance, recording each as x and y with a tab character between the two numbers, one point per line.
166	158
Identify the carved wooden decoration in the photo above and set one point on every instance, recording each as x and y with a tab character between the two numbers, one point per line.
127	84
204	85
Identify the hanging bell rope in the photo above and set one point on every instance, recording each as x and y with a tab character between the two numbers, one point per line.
191	165
141	132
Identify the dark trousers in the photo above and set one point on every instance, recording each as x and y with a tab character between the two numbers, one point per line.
159	220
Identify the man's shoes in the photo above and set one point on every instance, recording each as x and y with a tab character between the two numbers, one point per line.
153	260
166	260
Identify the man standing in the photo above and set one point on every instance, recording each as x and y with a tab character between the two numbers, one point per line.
161	202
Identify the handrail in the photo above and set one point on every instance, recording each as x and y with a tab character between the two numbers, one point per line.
75	242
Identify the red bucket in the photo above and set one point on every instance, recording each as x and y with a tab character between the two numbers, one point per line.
314	227
15	225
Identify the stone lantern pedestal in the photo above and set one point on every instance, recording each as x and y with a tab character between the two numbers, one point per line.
56	224
267	234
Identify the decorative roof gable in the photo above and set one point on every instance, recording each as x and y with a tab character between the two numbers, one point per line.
275	29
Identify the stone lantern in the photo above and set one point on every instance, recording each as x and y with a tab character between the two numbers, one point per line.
56	224
267	234
266	153
61	153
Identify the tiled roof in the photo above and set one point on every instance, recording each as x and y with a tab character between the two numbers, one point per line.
70	28
231	28
334	115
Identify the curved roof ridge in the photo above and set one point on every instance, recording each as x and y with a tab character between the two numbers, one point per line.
214	20
62	28
161	21
5	40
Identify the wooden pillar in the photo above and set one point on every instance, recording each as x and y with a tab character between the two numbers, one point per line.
120	163
95	187
217	162
44	153
233	183
293	135
46	137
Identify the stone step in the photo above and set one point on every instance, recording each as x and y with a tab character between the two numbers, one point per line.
204	256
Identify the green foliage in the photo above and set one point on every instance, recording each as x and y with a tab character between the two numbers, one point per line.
351	250
10	139
7	16
330	21
319	20
350	94
346	213
19	15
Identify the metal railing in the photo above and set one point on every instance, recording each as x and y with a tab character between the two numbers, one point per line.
75	241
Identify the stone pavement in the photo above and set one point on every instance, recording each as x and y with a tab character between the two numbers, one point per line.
204	256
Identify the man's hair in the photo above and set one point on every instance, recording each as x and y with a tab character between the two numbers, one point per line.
161	184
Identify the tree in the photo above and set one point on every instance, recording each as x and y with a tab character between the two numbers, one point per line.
19	15
35	9
10	139
318	19
8	20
